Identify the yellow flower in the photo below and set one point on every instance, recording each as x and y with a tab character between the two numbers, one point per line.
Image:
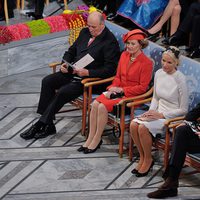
68	12
92	9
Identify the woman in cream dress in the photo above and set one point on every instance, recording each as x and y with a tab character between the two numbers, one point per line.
169	100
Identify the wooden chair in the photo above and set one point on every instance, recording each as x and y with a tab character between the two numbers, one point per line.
191	69
80	102
192	160
163	144
123	121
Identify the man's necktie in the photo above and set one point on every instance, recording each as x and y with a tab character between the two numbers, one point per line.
90	41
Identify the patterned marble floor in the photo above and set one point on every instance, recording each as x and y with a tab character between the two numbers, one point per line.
51	168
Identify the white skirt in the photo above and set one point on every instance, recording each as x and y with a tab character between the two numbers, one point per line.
155	127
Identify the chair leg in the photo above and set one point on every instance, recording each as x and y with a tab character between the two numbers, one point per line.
22	4
130	148
6	11
47	2
166	148
18	4
65	3
84	112
121	141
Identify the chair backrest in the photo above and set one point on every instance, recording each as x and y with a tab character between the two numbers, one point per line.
118	32
191	69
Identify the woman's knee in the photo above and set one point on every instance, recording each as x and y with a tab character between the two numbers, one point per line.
102	108
143	130
176	10
95	104
133	127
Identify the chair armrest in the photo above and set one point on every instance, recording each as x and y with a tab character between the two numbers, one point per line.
99	82
87	80
142	96
174	122
54	65
176	119
132	104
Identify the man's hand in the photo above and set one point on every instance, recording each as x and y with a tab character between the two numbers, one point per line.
81	72
63	68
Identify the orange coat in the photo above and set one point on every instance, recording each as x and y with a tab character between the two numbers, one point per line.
133	78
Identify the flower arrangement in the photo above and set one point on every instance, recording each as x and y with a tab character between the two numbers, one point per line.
69	19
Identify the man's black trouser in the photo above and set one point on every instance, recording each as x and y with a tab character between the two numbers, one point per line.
39	7
56	90
185	140
191	23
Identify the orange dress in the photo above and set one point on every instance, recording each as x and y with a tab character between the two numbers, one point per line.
134	78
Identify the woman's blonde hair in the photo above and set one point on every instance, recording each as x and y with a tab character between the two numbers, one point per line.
174	53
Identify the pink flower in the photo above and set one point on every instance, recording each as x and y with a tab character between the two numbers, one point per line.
57	23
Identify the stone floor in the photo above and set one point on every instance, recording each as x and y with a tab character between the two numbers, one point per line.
51	168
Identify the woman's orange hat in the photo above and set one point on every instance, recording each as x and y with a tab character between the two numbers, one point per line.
135	34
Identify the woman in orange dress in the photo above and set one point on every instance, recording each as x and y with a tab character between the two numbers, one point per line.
133	76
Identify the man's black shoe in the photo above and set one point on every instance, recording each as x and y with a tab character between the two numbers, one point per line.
49	129
165	41
173	40
30	133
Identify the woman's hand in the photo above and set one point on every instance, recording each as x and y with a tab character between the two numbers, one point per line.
152	115
116	89
63	68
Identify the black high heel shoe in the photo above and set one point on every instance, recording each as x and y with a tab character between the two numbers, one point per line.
153	37
87	150
82	148
145	173
134	171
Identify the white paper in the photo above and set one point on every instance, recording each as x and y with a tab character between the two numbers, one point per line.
83	62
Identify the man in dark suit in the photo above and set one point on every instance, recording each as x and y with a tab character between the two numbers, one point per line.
95	40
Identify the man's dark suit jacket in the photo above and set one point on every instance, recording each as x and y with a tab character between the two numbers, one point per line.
104	49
